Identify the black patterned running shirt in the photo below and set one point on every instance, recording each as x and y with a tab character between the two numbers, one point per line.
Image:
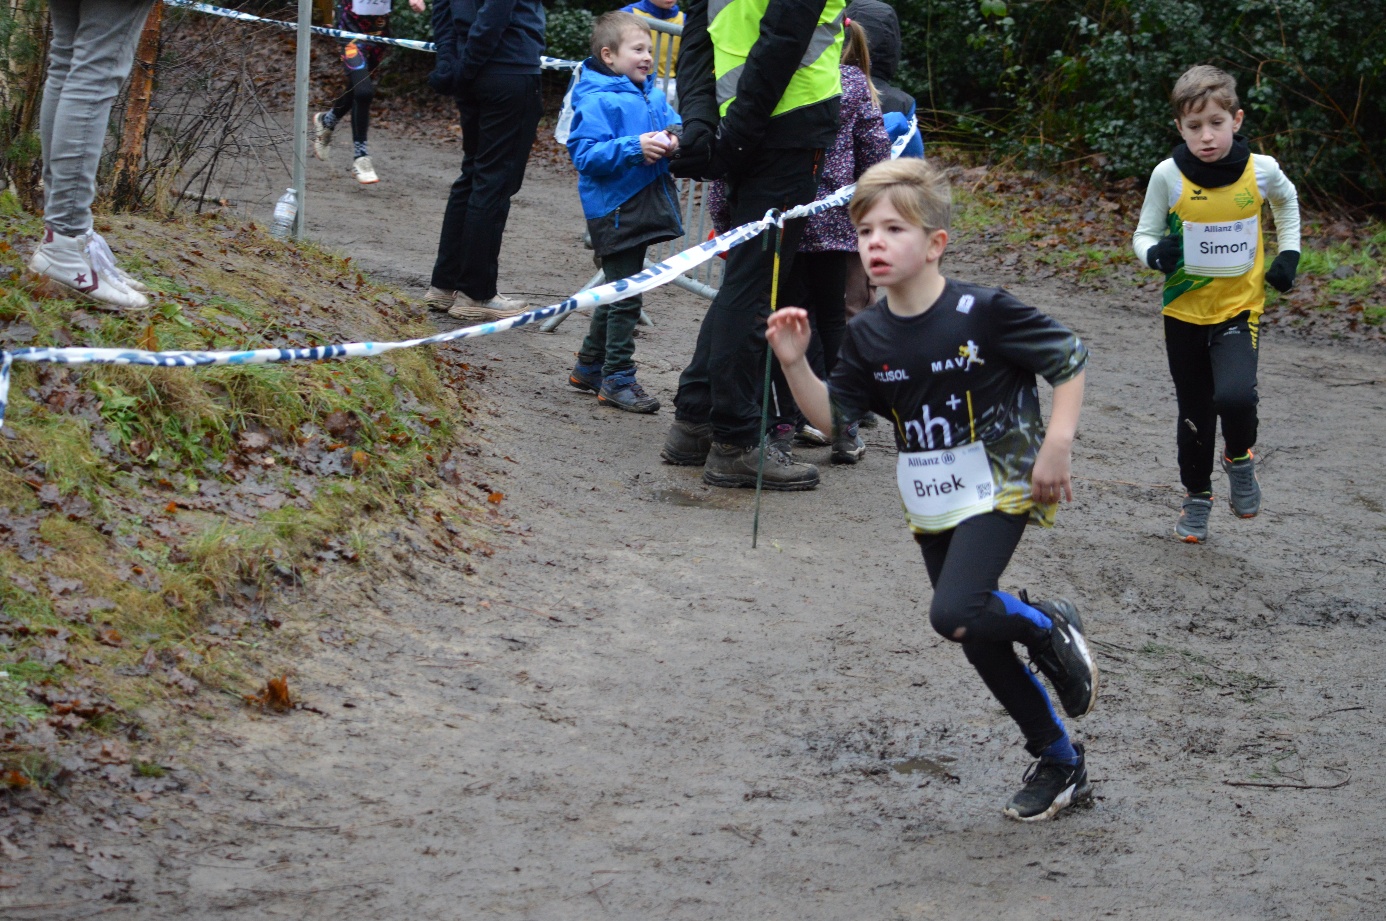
963	371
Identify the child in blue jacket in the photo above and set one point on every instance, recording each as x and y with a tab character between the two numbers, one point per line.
621	136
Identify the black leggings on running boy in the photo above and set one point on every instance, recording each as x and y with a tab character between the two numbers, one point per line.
965	566
1214	371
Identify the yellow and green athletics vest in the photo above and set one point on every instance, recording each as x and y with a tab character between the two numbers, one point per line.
734	26
1223	270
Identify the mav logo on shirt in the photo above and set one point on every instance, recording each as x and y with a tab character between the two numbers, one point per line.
967	357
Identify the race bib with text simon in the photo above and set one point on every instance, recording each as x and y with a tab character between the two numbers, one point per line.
1220	250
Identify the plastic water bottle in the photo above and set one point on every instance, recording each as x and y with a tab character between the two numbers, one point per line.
285	210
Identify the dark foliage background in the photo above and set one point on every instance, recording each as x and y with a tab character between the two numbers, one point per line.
1086	82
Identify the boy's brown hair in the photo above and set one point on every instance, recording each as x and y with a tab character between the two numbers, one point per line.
917	189
611	28
1199	84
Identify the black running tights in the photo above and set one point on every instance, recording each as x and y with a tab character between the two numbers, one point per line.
1214	371
965	566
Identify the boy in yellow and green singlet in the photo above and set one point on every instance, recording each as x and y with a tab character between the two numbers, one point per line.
1201	226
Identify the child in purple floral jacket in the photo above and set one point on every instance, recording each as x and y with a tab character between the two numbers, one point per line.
829	244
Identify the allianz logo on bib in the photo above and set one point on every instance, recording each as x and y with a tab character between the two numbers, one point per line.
947	458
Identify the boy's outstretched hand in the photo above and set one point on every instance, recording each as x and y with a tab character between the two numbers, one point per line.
788	333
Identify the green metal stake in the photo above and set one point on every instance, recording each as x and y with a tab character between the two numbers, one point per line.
765	394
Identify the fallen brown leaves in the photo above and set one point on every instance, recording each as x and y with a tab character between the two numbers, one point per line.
274	696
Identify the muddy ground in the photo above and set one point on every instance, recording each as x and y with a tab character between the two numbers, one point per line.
626	712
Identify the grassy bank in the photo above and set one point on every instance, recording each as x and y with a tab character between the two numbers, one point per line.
147	515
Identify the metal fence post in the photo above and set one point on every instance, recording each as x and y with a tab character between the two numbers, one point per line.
301	72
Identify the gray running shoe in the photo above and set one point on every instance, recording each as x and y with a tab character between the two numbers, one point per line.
1243	487
1064	658
808	435
1050	786
497	308
322	138
848	448
733	467
1193	520
439	299
623	391
782	438
687	444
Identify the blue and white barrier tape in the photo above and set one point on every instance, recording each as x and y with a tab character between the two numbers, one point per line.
652	277
545	62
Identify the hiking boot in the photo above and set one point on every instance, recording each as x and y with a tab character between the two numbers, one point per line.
586	377
1243	487
687	444
623	391
66	261
364	172
808	435
439	299
848	448
1049	787
781	437
1063	657
99	252
734	467
1193	519
322	137
497	308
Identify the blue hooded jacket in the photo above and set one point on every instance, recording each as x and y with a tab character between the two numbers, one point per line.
609	115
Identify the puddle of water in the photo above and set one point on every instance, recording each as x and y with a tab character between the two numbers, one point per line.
921	765
688	498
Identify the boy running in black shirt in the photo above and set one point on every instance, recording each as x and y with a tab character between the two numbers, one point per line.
953	366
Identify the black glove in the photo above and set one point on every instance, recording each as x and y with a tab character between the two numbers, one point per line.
731	151
693	159
443	80
1165	255
1281	274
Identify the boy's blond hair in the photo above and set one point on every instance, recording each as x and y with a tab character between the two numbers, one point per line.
1200	84
918	191
611	28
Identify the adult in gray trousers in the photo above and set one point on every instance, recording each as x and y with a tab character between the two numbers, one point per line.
89	58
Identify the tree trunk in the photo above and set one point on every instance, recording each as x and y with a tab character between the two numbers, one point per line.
126	181
23	69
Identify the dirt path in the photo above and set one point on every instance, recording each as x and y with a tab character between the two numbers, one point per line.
628	713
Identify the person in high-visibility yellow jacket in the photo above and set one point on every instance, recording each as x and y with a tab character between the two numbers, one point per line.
759	86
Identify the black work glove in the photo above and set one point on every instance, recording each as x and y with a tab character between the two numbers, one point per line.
1281	274
693	159
443	79
1165	255
730	153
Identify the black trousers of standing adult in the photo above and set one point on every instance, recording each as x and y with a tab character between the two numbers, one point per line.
724	381
965	566
1214	371
819	285
500	113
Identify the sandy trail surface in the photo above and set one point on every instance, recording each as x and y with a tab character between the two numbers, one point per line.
627	712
